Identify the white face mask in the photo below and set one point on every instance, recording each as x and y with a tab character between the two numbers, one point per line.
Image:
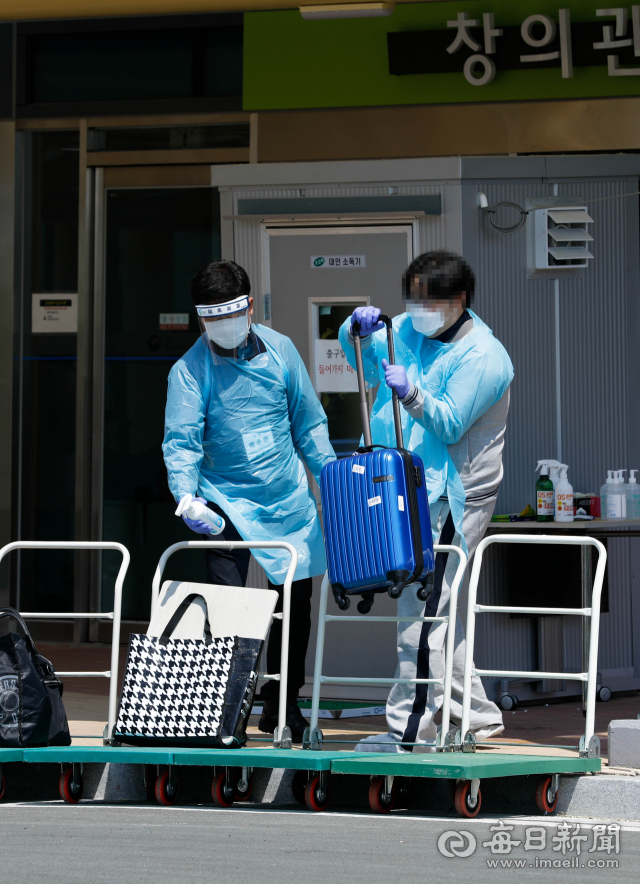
228	333
427	321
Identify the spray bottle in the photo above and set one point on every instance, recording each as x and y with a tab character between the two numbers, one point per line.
544	493
197	511
617	498
603	494
564	497
554	472
633	496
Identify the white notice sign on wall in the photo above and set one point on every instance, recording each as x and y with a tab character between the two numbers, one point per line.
332	372
54	314
332	262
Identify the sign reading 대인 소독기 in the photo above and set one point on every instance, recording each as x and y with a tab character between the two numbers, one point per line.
323	262
332	373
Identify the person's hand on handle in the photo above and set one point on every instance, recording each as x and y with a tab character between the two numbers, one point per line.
396	377
197	525
368	317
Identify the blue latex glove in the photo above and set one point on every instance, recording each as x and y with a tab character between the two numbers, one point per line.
396	377
197	525
368	319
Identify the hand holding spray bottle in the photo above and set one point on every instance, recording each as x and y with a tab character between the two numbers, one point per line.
196	511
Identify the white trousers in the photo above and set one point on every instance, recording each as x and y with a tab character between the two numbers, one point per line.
421	646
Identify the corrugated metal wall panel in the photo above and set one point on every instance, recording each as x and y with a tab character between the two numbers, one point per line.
593	378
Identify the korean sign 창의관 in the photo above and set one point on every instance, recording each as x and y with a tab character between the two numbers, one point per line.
329	262
331	371
478	48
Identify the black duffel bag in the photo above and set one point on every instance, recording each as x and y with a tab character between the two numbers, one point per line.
31	709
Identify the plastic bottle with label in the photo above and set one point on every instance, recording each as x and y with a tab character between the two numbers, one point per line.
199	512
633	496
564	497
554	472
617	497
603	494
544	493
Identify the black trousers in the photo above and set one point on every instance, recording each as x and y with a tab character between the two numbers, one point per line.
230	568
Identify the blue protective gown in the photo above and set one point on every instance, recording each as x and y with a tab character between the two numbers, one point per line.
460	381
234	433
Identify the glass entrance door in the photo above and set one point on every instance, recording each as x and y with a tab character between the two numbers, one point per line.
155	239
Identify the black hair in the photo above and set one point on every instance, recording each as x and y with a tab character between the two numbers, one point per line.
219	281
446	275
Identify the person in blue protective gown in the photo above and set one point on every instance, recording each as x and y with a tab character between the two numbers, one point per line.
452	378
242	420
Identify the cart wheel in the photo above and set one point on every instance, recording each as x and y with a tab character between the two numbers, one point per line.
244	796
543	796
376	801
604	694
70	793
222	795
150	775
463	800
2	784
164	792
507	702
298	785
516	702
311	794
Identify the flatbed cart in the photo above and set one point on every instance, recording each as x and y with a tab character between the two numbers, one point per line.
457	760
233	767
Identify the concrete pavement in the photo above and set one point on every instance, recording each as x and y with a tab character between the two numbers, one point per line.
58	844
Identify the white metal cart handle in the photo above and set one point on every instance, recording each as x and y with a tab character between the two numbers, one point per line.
117	605
286	601
593	612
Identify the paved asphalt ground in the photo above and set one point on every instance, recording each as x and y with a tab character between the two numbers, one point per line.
96	843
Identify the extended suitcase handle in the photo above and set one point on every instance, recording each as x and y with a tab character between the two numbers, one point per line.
364	408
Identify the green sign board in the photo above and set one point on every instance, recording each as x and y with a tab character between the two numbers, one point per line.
441	53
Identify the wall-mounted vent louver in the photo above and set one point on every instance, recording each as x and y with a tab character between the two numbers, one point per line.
562	238
558	238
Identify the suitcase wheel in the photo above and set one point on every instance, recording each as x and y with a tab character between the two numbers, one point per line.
166	792
70	789
342	601
366	604
395	591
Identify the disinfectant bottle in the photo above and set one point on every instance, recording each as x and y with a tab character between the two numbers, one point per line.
195	510
603	494
617	498
564	497
633	496
554	472
544	493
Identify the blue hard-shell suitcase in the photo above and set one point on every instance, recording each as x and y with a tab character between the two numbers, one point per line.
377	528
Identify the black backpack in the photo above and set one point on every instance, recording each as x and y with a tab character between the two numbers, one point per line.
31	708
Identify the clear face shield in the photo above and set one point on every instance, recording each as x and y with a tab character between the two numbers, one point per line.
227	326
428	315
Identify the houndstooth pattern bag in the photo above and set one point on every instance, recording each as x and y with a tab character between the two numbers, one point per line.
187	691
